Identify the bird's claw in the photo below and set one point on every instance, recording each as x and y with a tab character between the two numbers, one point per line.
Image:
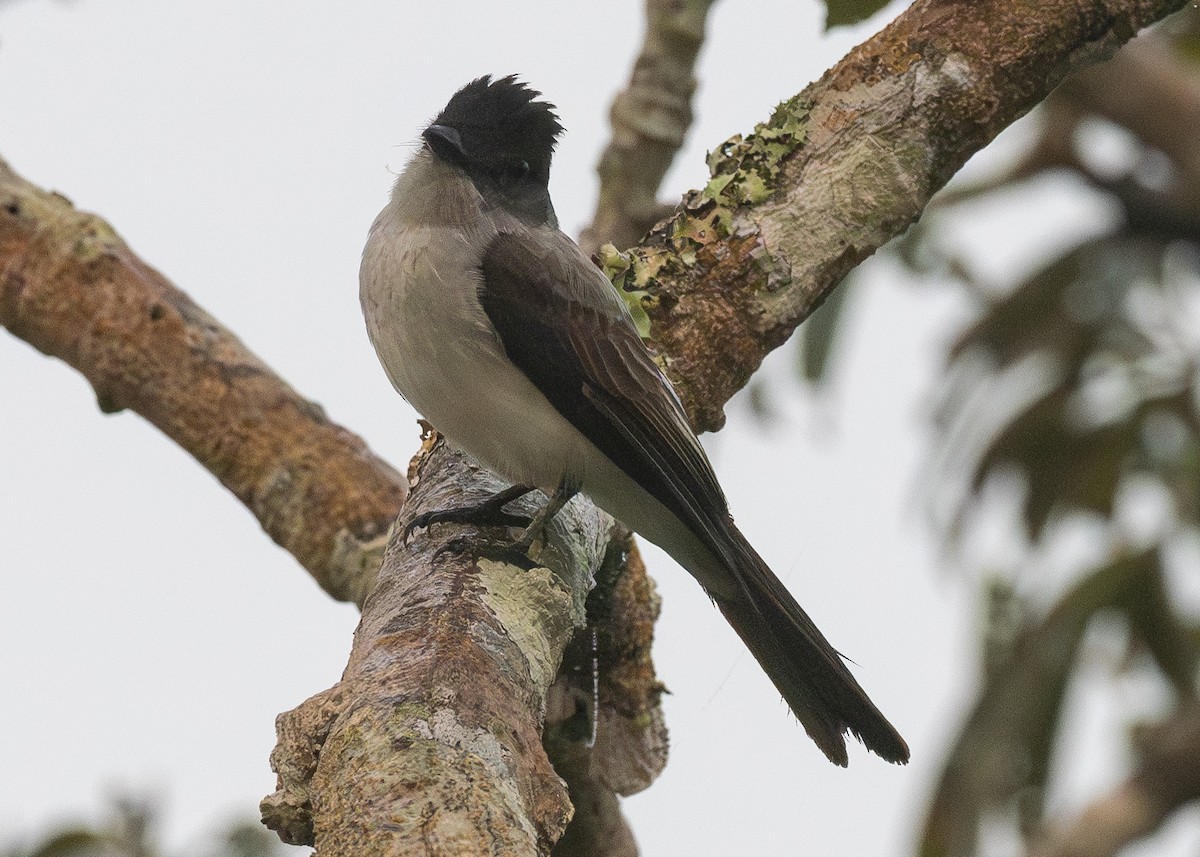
477	515
479	548
489	513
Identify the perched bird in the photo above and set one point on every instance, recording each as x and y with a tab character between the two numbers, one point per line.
497	328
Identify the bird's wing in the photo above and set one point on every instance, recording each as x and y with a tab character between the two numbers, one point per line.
568	331
565	328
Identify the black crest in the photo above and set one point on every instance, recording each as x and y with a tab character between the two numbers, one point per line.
497	126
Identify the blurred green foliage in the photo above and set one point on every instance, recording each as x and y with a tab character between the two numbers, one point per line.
1074	392
131	830
839	13
1076	388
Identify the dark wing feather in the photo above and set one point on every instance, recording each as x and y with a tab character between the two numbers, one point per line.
586	357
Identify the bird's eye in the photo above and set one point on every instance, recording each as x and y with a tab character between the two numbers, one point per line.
514	171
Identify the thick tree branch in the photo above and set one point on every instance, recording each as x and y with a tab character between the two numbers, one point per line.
432	741
843	167
839	170
70	287
650	119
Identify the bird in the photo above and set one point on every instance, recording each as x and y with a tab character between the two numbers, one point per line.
508	339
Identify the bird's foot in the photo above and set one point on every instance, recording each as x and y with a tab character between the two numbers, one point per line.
562	495
489	513
478	548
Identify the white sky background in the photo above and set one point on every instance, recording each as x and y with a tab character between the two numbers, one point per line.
149	631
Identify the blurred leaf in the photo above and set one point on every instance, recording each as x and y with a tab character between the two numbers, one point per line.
819	333
1156	624
250	839
1073	445
1001	756
839	13
1184	483
758	397
1031	318
1072	467
1184	29
1067	467
1004	624
1072	307
73	842
128	831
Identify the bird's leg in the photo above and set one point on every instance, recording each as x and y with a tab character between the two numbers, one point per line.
491	512
488	513
562	495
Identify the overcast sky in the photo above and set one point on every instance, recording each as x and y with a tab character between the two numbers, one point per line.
149	632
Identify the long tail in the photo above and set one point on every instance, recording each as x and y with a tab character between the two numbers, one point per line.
805	668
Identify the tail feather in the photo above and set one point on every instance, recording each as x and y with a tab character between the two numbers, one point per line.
809	673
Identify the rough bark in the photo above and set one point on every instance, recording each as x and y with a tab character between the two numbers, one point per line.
839	170
432	741
650	119
604	728
70	287
843	167
439	737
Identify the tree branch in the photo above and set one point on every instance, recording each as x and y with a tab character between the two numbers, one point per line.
839	170
842	168
650	119
431	742
70	287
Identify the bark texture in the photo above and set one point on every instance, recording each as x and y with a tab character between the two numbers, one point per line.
842	168
422	754
70	287
432	741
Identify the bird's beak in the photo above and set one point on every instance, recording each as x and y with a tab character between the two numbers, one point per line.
445	142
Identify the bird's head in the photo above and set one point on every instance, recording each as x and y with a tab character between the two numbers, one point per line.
498	132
